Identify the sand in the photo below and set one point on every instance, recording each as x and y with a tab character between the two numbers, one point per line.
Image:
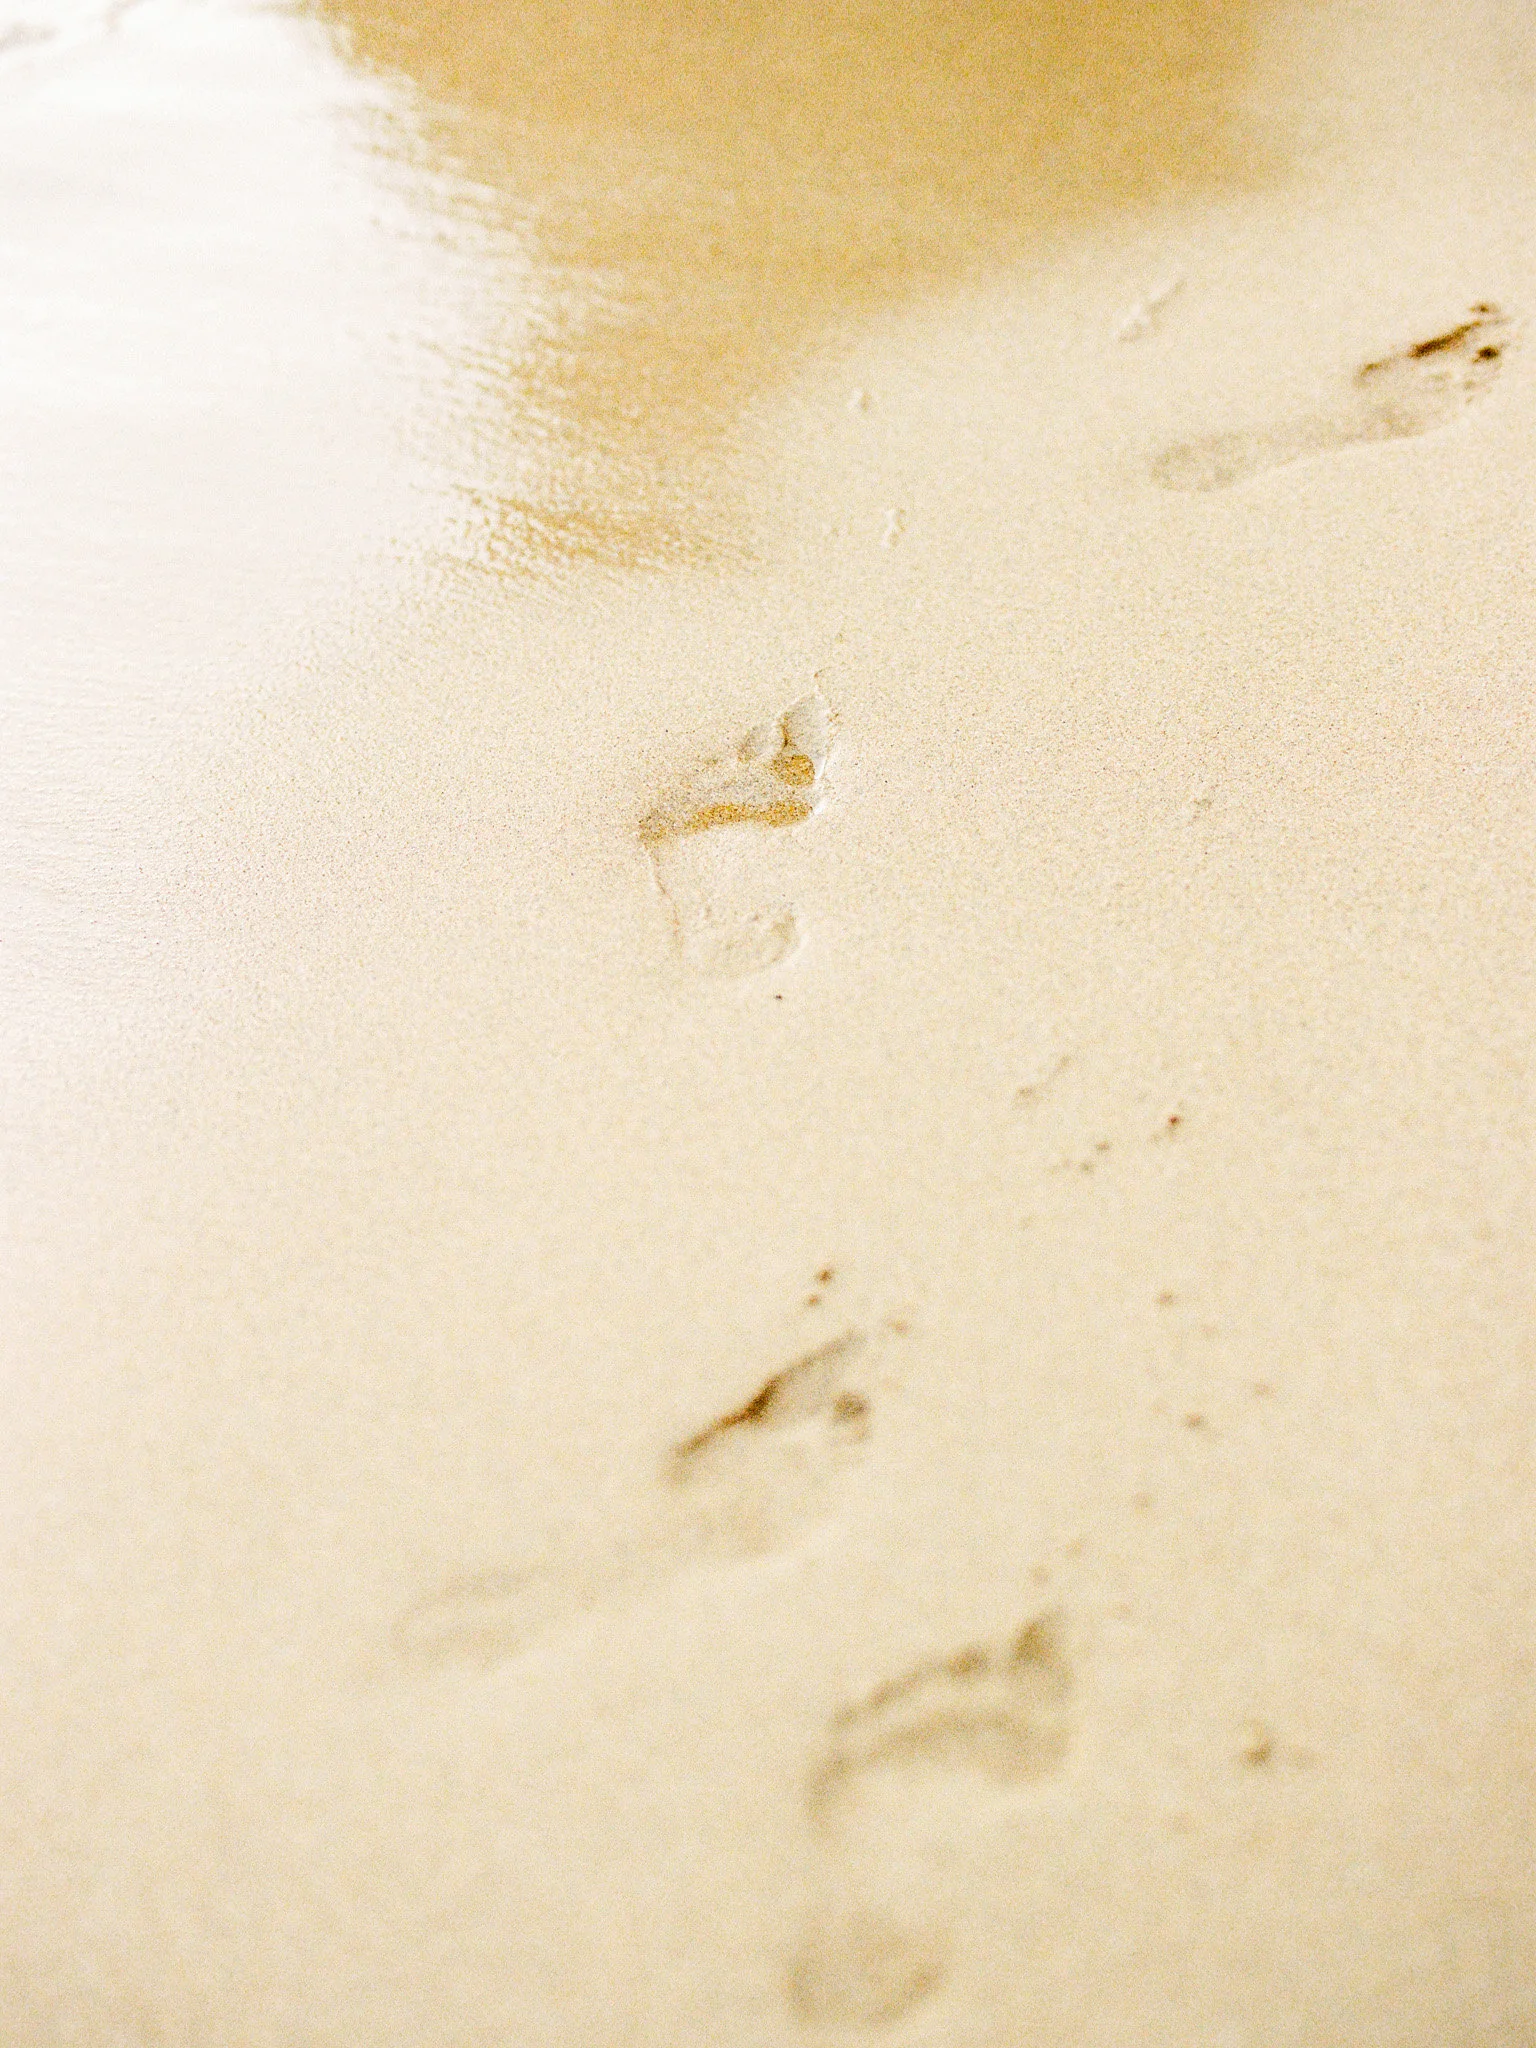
767	857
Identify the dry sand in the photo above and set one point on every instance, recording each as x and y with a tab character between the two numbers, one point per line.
768	992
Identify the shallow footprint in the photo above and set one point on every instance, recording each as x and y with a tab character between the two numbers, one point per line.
1000	1712
864	1966
742	1486
890	1801
705	847
1412	391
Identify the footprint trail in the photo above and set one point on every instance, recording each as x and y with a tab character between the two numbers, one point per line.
705	841
1412	391
745	1485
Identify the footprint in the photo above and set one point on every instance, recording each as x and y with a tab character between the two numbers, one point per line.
704	842
859	1966
22	35
1000	1713
742	1486
769	1467
1412	391
905	1776
58	27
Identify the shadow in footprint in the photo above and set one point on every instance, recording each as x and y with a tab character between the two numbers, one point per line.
705	841
1410	392
743	1486
905	1775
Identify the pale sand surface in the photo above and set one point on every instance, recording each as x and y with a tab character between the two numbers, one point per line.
560	1278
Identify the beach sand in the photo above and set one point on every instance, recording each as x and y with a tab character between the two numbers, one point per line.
768	876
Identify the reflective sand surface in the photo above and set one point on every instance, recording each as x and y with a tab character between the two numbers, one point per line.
766	865
704	197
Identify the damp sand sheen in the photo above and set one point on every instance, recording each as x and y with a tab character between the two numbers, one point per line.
767	989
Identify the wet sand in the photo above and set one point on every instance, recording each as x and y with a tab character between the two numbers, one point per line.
767	872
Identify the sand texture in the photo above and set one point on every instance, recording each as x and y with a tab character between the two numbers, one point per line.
767	987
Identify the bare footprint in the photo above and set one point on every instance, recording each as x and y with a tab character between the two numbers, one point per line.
1000	1713
704	842
1412	391
860	1965
743	1486
749	1479
899	1780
